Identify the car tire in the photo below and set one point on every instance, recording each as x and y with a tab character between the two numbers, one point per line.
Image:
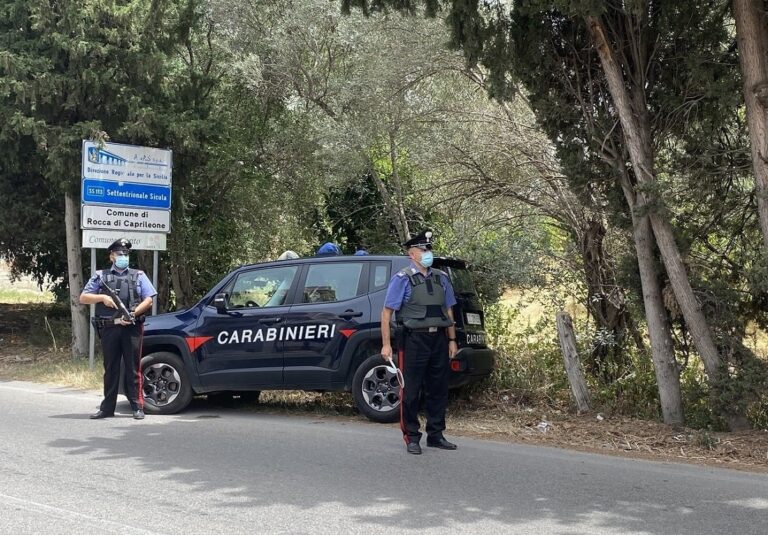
376	391
165	383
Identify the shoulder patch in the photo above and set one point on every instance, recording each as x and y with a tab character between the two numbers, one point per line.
401	274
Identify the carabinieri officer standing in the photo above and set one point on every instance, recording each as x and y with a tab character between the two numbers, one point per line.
423	299
120	339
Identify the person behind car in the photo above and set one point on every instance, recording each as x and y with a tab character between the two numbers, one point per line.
120	337
423	299
328	249
288	255
361	251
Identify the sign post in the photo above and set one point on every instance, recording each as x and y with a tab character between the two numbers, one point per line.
126	193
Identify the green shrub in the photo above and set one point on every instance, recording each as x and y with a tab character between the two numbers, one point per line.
530	370
529	365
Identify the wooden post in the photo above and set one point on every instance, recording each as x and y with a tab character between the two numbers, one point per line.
572	363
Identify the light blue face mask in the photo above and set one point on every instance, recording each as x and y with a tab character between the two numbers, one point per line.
426	259
121	262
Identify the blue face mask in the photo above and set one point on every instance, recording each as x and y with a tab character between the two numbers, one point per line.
426	259
121	262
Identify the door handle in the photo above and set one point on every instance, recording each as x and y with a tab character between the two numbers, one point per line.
270	321
350	314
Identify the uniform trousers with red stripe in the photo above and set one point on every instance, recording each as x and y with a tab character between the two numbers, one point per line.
122	343
424	363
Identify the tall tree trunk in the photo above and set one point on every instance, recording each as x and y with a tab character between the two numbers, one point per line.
75	272
163	290
752	37
399	197
390	205
634	118
635	126
665	366
181	280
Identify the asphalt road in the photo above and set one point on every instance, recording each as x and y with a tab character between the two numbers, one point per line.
215	470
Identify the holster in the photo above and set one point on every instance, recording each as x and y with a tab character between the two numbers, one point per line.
96	326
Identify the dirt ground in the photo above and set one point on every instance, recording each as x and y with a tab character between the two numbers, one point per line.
613	435
487	415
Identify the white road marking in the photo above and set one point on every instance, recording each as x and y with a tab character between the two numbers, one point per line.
65	514
45	390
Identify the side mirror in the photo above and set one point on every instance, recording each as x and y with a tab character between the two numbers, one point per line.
220	302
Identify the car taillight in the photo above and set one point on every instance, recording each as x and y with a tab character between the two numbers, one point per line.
457	365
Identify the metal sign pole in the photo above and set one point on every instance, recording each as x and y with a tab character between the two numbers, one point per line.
92	313
155	257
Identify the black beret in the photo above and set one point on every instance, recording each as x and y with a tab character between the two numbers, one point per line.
120	245
421	239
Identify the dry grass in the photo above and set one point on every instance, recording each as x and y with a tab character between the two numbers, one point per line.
756	339
24	295
46	366
24	290
533	307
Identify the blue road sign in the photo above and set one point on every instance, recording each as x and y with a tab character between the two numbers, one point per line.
126	194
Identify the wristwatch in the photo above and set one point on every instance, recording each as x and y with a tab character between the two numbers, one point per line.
451	339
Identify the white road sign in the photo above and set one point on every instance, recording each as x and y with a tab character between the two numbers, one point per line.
127	163
101	239
125	218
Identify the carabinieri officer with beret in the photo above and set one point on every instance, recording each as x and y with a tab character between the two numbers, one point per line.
423	299
120	338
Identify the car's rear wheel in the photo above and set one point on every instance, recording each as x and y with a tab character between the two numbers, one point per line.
165	383
376	391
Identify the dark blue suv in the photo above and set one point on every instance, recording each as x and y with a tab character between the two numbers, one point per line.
304	324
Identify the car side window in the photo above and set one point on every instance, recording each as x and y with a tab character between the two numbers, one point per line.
262	287
331	282
379	276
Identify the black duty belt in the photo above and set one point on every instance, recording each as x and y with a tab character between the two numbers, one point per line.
425	330
111	322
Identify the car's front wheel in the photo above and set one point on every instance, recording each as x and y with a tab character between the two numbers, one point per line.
165	383
376	391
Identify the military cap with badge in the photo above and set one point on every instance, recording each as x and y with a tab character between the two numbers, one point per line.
120	245
422	240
